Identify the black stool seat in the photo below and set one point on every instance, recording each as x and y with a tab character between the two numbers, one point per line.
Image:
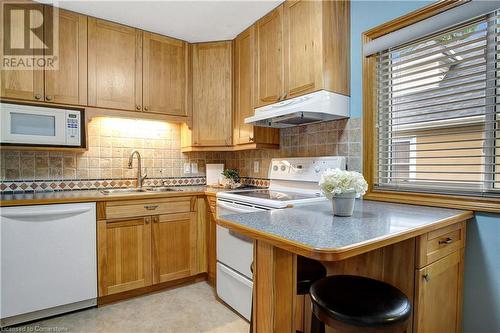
359	301
308	272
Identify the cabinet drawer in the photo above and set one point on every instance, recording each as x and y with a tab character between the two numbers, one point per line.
145	207
439	243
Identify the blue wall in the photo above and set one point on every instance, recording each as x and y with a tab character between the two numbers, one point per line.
481	311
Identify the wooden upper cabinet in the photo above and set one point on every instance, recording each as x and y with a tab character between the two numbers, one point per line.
243	85
114	65
269	70
26	84
244	65
174	246
212	94
124	254
165	75
302	45
316	43
438	295
68	84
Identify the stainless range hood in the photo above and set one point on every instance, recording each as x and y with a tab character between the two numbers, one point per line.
311	108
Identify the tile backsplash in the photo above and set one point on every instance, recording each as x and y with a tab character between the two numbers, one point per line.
111	141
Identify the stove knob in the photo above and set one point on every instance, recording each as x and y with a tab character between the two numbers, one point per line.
283	168
317	169
275	168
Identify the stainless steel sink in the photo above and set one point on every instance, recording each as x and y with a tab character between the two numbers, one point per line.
162	189
123	190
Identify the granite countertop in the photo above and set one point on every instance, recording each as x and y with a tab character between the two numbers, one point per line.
53	197
312	230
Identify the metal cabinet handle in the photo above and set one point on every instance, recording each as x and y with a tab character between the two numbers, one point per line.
146	108
426	277
138	107
48	97
151	207
251	139
38	96
448	240
147	221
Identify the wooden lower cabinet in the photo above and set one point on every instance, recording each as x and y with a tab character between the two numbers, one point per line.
174	246
141	251
438	293
124	254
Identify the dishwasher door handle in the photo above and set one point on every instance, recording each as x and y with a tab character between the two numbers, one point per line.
45	212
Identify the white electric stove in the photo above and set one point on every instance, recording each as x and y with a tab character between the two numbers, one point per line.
293	182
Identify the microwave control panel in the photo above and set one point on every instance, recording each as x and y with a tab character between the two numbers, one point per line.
73	128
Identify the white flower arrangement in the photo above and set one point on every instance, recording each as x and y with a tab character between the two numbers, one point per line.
336	181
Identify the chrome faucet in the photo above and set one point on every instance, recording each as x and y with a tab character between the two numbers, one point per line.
140	177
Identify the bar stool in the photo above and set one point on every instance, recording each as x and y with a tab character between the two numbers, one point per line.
351	304
308	272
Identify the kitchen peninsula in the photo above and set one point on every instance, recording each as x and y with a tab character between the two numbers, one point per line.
395	243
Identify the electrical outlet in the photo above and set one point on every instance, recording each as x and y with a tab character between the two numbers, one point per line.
187	168
194	167
256	166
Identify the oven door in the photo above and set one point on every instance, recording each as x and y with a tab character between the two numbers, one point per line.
233	249
22	124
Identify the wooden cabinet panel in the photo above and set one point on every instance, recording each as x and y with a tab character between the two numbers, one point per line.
211	244
438	295
243	85
114	65
212	94
68	84
165	75
302	47
269	83
24	83
174	246
124	254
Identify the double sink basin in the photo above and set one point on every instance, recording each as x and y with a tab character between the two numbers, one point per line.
140	190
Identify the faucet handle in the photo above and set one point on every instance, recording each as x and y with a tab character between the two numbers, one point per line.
145	173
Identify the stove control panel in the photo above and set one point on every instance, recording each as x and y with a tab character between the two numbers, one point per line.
304	168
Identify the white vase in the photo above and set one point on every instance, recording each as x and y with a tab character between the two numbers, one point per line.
343	204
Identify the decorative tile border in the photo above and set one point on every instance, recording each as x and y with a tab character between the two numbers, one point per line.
93	184
261	182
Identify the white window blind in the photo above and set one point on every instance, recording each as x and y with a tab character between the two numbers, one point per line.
438	119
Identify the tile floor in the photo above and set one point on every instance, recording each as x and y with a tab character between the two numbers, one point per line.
186	309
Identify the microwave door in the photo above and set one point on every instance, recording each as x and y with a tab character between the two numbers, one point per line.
33	127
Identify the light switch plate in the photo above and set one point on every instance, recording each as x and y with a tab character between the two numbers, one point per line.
187	167
194	167
256	166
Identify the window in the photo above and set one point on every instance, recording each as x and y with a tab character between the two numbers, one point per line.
438	112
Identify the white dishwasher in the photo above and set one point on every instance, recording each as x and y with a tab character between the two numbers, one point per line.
48	260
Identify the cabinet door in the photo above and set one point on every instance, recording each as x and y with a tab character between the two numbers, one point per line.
165	75
243	80
68	84
174	246
302	47
25	83
438	295
269	58
114	65
124	253
212	91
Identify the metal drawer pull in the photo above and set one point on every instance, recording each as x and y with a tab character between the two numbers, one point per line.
426	277
151	207
448	240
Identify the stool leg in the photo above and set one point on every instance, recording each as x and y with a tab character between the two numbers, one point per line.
316	325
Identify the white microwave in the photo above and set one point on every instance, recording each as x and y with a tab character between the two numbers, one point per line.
40	126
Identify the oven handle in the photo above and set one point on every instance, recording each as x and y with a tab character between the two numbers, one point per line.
233	208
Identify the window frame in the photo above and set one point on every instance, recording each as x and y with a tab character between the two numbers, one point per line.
370	148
